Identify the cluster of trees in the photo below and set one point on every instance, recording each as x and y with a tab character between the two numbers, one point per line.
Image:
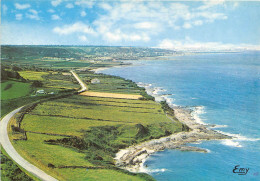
12	72
6	74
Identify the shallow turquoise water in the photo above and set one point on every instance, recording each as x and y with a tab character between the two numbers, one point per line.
226	89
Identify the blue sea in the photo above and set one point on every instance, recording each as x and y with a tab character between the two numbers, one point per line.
225	87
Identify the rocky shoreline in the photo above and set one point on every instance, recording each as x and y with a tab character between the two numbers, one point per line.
133	158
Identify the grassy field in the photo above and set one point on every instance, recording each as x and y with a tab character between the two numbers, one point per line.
14	89
82	134
33	75
97	174
16	93
88	131
76	137
111	84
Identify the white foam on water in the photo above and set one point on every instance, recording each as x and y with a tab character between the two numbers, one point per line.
196	115
197	142
231	143
239	137
169	101
219	126
158	90
154	91
208	151
236	139
145	169
197	112
148	170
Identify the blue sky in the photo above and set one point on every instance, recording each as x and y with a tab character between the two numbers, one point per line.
168	24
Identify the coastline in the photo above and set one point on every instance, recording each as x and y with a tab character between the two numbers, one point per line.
133	157
97	70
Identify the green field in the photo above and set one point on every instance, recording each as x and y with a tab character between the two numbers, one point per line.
15	93
74	137
32	75
14	89
89	130
111	84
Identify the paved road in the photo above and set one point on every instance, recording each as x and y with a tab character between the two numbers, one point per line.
6	144
82	84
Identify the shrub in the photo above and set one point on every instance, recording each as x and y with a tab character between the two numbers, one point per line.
37	83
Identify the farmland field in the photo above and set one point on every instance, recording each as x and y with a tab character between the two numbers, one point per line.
111	84
81	118
15	93
32	75
14	89
95	128
69	136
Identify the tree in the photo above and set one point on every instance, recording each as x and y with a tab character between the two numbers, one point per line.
37	83
15	68
4	75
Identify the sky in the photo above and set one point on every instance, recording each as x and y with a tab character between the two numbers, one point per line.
217	24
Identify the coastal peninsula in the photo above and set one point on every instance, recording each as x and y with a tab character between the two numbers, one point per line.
133	158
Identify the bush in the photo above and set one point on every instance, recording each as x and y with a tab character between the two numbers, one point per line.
9	171
15	68
51	165
9	74
37	83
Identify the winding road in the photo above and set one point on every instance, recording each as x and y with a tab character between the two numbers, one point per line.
7	145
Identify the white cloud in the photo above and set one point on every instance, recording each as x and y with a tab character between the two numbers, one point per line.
123	21
235	5
18	16
145	25
198	22
83	3
211	17
51	11
105	6
55	17
83	38
118	36
190	45
83	13
167	44
4	9
77	27
187	25
33	14
22	6
211	3
56	2
150	18
69	5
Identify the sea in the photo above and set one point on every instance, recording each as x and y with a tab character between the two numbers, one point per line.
222	89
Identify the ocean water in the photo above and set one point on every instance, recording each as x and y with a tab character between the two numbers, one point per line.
222	89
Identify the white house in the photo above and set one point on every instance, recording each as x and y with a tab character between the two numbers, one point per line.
41	91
